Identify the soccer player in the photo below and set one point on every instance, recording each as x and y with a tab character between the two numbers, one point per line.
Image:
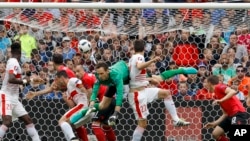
115	77
140	94
58	62
76	92
100	126
10	105
233	111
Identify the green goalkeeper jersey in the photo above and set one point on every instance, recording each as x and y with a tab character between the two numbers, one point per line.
118	75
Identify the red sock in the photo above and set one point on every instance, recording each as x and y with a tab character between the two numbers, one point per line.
110	134
100	135
222	138
82	133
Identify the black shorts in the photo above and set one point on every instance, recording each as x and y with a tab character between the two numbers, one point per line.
110	92
103	115
240	118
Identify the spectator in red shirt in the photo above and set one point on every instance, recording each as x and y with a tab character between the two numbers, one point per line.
234	112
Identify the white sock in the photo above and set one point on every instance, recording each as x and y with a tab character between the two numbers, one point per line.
137	135
3	130
32	132
170	106
67	130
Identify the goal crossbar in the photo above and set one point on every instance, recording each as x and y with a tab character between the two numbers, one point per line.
128	5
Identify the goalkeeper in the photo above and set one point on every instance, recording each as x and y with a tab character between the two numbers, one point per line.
115	78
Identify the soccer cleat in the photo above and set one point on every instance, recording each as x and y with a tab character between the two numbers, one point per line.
91	110
74	139
190	70
181	122
112	121
84	120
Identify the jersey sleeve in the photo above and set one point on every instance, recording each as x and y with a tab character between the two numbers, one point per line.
117	78
95	91
89	81
12	67
139	59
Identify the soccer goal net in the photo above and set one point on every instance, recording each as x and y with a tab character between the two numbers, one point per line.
183	35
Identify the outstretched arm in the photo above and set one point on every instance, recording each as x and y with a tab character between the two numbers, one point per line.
50	89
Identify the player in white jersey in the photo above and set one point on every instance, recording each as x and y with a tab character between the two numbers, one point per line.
140	94
10	106
75	92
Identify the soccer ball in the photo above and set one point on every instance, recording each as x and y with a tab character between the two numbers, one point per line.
84	45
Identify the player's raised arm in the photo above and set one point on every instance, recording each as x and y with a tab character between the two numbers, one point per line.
94	93
119	92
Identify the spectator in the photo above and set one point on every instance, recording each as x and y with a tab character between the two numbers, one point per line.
49	40
36	60
185	53
216	48
5	42
243	36
183	92
224	68
68	52
28	43
243	81
227	28
241	51
194	83
234	86
43	51
207	59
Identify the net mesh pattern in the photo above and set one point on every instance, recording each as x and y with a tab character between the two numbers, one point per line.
200	38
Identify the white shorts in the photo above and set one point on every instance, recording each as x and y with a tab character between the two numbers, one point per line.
10	107
139	100
74	110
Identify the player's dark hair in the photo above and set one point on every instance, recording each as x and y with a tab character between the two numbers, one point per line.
15	48
62	73
139	45
57	59
102	65
213	79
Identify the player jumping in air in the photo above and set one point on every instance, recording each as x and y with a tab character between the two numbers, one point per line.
234	112
140	94
9	101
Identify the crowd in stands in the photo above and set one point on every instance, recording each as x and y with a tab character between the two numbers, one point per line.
214	41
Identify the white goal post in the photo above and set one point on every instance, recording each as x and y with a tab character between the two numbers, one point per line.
128	5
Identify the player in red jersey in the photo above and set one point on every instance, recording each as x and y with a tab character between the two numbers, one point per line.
58	62
100	126
233	111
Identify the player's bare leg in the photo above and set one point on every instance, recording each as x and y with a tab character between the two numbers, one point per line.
30	127
219	134
5	125
170	106
139	130
66	128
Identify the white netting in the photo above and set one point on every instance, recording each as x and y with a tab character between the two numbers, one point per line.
201	38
